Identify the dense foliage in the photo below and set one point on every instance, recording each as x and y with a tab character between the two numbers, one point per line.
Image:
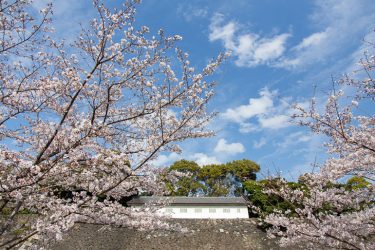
211	180
238	178
264	202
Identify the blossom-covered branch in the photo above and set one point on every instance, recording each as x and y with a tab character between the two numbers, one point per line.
328	214
88	118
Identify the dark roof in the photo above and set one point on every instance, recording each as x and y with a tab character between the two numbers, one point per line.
173	200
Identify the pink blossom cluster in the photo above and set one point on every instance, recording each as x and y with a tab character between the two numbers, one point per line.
88	118
327	215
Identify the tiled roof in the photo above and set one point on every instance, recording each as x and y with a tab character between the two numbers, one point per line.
189	200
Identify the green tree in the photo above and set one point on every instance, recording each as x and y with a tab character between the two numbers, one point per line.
211	180
243	169
186	185
227	179
266	203
185	166
357	182
215	179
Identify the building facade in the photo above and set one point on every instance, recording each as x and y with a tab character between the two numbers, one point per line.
197	207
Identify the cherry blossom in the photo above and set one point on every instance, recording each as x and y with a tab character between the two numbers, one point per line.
81	123
328	215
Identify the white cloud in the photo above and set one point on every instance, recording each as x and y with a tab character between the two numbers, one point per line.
68	16
339	24
263	110
166	160
250	48
255	107
313	40
190	12
356	56
269	49
229	148
246	127
295	138
258	144
274	122
224	33
203	159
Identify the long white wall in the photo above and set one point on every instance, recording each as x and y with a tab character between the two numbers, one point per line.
205	212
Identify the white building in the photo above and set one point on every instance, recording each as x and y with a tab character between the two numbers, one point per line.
198	207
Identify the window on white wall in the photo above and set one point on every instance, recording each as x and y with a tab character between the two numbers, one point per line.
226	210
198	210
238	210
169	210
183	210
212	210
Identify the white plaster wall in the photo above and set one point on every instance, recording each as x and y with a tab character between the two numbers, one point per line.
205	212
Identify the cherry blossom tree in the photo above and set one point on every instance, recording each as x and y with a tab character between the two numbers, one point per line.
326	214
88	118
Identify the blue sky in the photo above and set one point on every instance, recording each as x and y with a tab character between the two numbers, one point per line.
281	49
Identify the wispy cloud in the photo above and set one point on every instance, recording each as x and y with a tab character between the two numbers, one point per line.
314	39
68	16
274	122
260	143
191	12
339	25
263	110
293	139
250	49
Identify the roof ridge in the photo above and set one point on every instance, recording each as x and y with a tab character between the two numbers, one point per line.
188	200
210	197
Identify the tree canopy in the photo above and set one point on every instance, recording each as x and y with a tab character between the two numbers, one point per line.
212	180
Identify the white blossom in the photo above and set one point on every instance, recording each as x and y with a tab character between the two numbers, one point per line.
80	124
328	216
